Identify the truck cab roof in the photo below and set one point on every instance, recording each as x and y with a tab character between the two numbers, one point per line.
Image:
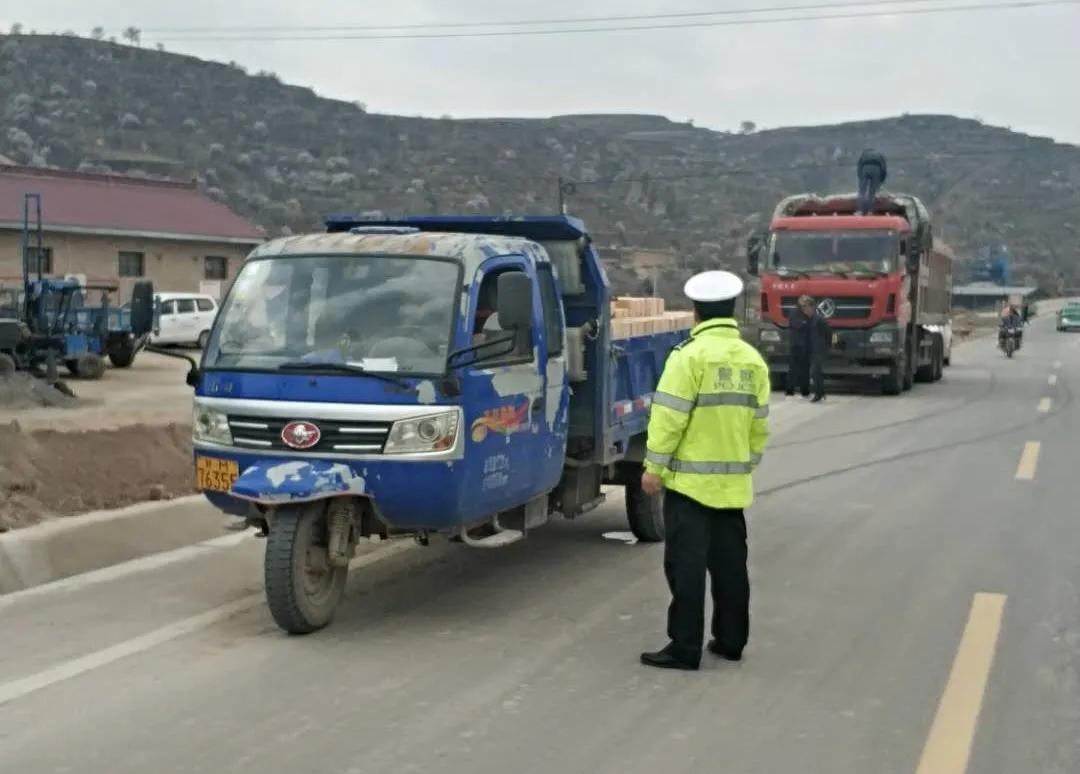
540	228
470	249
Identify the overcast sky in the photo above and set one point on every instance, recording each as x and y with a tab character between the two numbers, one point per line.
1013	68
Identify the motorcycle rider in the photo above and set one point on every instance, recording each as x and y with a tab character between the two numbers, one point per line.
1011	321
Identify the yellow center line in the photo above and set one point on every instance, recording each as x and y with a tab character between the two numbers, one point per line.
1029	461
948	748
1044	406
1052	380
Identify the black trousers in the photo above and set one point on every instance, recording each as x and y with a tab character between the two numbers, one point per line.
701	539
806	370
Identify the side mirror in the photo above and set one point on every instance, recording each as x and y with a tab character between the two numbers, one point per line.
753	255
515	300
913	257
142	308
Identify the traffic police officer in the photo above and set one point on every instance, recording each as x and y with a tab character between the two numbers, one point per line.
707	433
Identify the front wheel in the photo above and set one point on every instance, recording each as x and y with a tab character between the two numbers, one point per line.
302	588
893	382
645	513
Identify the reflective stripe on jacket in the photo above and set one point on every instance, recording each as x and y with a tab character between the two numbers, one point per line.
709	420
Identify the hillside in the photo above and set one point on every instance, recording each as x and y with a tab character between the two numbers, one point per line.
285	157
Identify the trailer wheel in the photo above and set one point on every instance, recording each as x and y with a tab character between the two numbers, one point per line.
645	513
302	588
7	365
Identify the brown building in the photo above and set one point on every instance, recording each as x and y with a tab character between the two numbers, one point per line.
116	230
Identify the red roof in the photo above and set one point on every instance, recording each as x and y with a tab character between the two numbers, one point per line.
841	223
112	204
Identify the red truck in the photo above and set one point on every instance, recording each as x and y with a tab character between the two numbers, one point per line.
882	281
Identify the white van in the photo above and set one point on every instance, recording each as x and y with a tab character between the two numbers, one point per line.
186	318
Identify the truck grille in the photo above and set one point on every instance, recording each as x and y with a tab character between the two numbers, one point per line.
847	307
335	436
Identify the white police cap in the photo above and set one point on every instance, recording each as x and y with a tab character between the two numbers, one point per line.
712	286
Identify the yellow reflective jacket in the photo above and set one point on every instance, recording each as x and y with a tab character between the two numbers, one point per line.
709	420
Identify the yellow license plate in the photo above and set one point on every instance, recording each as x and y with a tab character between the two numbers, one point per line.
215	475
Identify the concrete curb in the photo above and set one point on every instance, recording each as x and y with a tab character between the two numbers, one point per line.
72	545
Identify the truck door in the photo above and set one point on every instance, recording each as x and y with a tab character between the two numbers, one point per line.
505	399
556	420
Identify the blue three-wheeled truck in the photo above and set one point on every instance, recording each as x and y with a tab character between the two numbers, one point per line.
427	376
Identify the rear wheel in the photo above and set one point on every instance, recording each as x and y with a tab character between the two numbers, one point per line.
7	364
644	512
302	588
779	382
122	353
939	360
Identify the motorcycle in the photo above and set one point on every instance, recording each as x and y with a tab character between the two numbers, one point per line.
1009	340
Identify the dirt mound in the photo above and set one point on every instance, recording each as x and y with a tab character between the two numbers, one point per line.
23	391
46	473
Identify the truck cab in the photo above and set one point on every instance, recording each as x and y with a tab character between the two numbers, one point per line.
878	278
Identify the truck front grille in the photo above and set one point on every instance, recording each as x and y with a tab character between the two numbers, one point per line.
343	437
847	307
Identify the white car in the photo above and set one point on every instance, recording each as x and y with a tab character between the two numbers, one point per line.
186	318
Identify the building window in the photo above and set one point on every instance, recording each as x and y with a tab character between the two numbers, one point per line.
216	267
41	261
132	264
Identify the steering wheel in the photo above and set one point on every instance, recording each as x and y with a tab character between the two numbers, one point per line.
402	335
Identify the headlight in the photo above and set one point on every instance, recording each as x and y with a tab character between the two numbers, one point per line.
432	433
769	335
881	337
211	426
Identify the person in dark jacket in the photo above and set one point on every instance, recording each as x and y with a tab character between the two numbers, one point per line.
809	345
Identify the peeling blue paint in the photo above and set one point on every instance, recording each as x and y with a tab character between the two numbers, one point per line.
275	482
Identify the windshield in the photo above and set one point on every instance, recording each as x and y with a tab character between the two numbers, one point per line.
380	313
836	252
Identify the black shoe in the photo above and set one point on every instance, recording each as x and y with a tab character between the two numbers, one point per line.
716	650
663	659
817	399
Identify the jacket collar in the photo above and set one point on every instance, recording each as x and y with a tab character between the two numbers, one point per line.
718	326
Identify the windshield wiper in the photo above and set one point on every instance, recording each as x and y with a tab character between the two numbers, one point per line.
347	368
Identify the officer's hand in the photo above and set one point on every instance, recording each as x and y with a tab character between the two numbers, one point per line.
651	483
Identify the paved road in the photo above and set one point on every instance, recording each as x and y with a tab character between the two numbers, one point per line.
916	609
